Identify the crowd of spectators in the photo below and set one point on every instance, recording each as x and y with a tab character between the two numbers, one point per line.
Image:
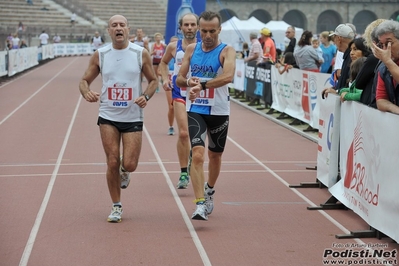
363	67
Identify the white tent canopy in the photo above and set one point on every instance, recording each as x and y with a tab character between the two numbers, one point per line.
234	29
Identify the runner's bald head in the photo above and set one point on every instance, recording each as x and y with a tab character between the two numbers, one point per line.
117	17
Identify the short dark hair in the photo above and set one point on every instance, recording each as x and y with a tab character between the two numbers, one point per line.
209	15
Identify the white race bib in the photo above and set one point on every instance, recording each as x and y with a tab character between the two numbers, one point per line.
120	95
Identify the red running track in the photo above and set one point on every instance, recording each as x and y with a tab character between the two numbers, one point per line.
54	199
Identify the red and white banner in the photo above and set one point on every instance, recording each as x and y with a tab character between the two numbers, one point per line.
328	144
297	93
369	156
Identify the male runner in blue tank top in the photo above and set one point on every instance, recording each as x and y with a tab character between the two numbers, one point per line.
189	26
211	65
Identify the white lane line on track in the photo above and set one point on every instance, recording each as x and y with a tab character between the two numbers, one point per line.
191	229
39	217
36	92
326	215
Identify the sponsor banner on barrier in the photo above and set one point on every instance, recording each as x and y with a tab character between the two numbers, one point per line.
239	75
3	63
67	49
297	93
47	51
21	59
328	144
369	154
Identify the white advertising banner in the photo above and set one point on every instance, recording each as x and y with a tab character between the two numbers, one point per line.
3	63
328	144
47	51
297	93
369	154
21	59
67	49
239	75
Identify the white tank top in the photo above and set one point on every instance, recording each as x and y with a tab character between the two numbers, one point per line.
121	75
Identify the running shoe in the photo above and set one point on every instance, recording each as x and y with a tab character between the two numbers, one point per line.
208	195
171	131
125	176
200	212
184	180
116	214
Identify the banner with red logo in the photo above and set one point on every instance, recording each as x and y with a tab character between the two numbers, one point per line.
369	153
328	144
297	93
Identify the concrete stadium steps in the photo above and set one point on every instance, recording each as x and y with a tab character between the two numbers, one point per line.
35	20
148	15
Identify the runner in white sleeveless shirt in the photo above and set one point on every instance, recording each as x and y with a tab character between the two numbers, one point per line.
212	66
122	100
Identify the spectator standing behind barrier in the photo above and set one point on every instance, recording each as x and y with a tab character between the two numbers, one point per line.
56	38
329	51
255	53
269	48
305	55
16	42
122	100
212	67
23	44
365	80
343	35
351	93
387	50
358	49
290	34
96	41
286	63
43	38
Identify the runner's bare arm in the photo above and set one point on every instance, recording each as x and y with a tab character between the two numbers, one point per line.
164	65
228	59
89	76
152	79
181	80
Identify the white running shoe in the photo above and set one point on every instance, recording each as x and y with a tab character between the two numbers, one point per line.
208	195
200	212
116	214
125	176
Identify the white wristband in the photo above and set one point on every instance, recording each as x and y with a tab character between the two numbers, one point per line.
187	82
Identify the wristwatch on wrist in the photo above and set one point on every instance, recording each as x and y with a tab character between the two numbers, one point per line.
147	98
203	85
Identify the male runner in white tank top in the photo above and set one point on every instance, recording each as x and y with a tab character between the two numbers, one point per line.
122	100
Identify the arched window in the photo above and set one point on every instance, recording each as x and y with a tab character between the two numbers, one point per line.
296	18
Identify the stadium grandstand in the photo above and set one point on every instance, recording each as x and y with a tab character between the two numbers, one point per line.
92	15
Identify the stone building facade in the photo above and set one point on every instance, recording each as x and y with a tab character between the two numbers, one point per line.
313	15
